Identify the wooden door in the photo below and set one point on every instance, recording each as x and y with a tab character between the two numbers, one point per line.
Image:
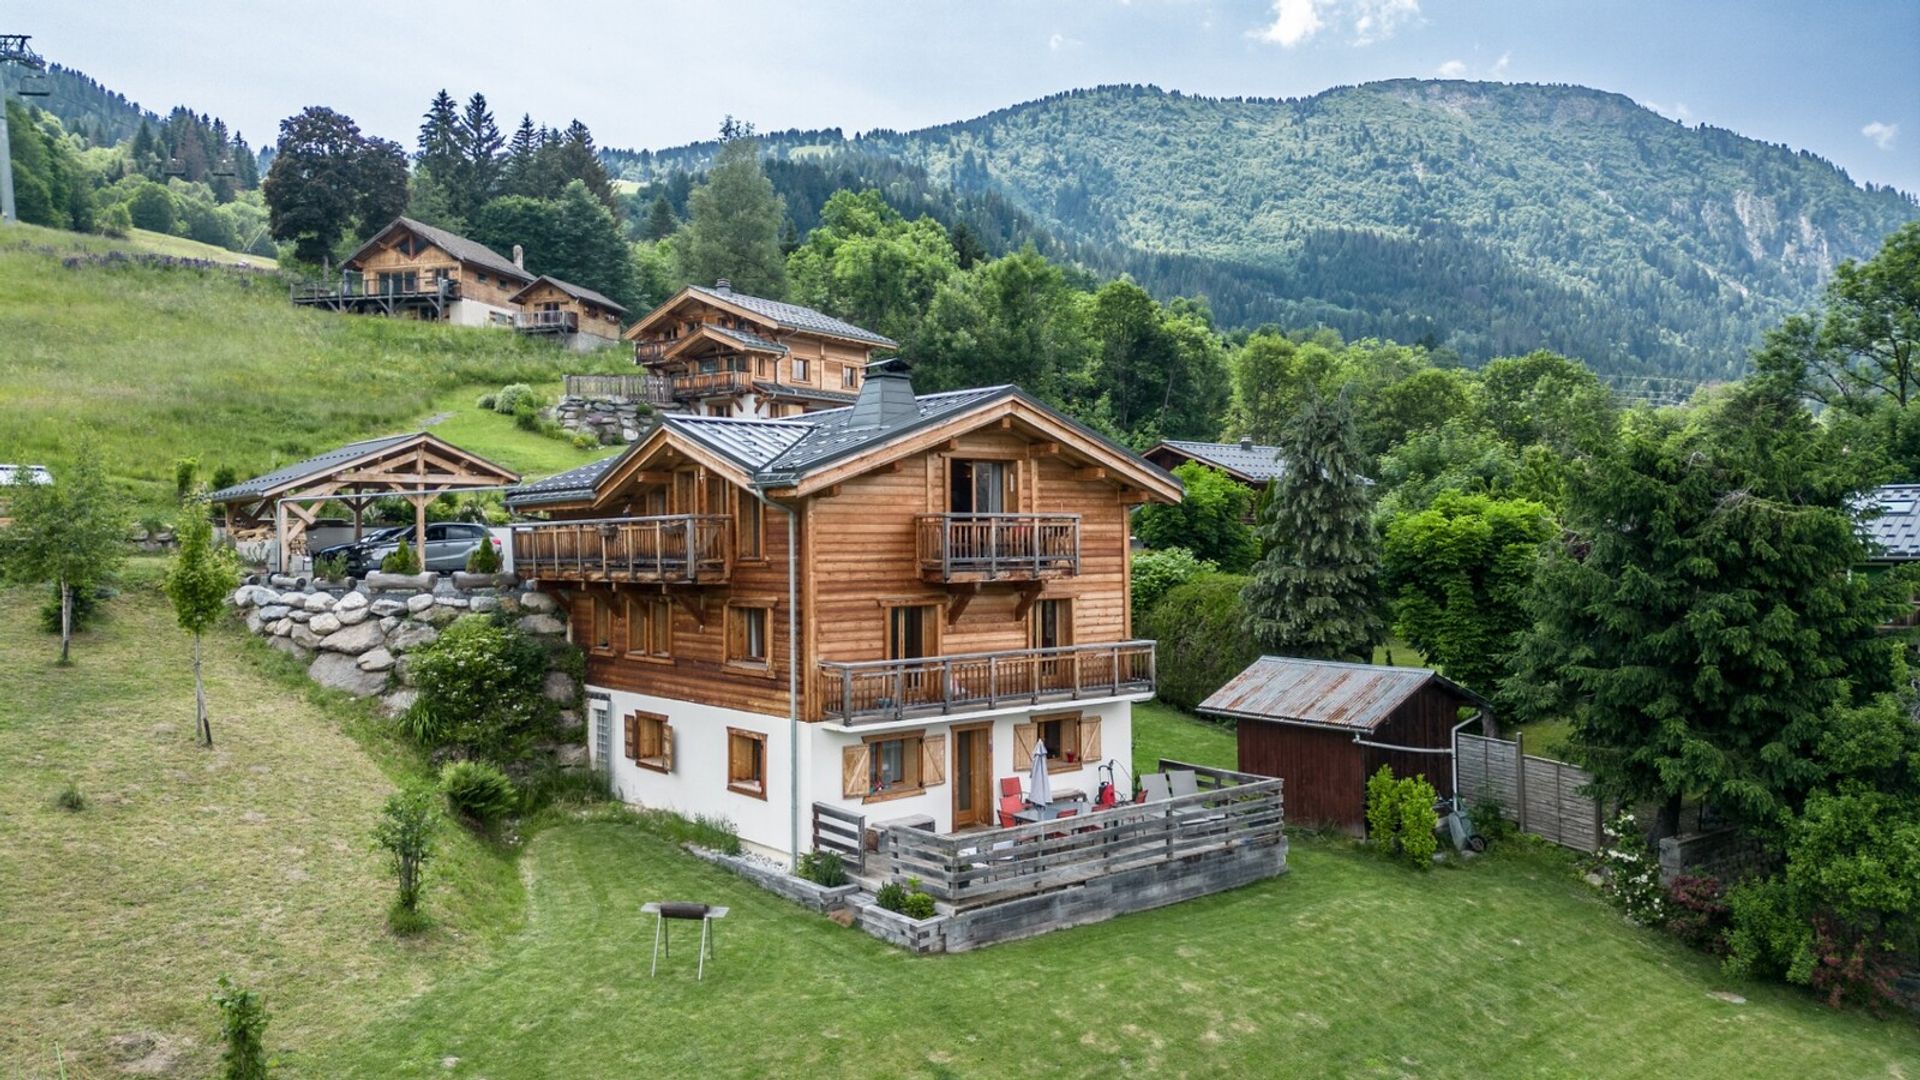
973	776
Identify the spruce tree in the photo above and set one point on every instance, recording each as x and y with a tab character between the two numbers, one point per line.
439	145
479	149
1314	593
733	226
660	222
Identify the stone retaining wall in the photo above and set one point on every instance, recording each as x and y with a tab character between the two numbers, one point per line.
356	636
611	420
1724	853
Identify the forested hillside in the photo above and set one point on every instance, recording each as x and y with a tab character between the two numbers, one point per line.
1490	218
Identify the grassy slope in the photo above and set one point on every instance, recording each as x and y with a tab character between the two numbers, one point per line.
251	859
171	363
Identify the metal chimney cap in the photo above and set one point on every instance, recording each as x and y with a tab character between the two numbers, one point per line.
723	285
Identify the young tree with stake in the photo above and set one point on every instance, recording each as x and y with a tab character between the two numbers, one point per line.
201	579
69	533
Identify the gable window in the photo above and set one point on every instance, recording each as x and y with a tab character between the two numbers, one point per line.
980	487
650	741
849	378
752	525
602	623
650	627
747	635
747	762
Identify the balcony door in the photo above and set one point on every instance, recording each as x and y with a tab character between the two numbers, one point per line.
973	776
980	487
911	636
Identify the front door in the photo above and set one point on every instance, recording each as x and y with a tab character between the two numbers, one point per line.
973	776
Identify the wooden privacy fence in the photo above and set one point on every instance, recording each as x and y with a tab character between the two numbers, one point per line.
840	831
630	387
1545	797
1231	809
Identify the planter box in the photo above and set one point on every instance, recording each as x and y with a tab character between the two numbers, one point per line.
287	581
797	889
913	935
468	582
379	581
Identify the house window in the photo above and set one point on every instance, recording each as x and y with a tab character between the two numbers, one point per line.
893	766
650	627
910	631
1070	738
602	624
980	487
650	741
752	516
747	635
1050	626
849	378
800	374
747	762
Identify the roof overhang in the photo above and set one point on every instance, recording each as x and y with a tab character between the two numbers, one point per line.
661	313
424	449
648	451
707	334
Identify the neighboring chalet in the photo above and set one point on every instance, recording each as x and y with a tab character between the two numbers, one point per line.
573	314
716	352
1324	727
1890	518
415	270
879	609
1251	464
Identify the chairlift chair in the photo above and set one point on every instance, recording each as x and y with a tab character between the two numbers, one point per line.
34	84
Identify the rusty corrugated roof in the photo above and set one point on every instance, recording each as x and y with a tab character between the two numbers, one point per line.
1328	693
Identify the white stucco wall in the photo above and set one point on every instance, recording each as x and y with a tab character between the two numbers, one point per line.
475	313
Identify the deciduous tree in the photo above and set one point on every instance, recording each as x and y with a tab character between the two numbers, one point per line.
200	581
70	533
733	226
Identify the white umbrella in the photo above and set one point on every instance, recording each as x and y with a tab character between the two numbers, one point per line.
1039	791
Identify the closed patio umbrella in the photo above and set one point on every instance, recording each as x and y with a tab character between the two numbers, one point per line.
1039	791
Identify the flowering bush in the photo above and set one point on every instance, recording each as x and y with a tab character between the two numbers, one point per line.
1697	912
480	689
1632	873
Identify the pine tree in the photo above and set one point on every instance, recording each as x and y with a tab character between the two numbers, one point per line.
439	145
480	144
518	165
660	222
1314	592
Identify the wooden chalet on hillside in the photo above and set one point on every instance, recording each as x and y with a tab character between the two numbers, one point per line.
573	313
874	610
415	270
717	352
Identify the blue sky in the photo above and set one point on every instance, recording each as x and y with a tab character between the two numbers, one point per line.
1840	78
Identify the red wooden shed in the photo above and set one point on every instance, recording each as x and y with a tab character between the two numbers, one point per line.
1324	726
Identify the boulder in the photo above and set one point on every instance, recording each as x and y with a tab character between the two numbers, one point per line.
441	616
254	623
274	612
353	601
570	755
384	607
480	605
376	660
287	646
324	623
420	603
412	635
541	624
451	601
338	671
349	616
304	637
318	602
538	601
569	720
399	701
353	640
299	615
283	627
380	579
559	686
388	624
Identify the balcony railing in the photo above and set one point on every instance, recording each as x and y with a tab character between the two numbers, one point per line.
354	290
998	547
652	349
546	322
873	691
701	384
673	549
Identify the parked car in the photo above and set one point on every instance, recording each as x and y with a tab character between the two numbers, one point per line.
448	545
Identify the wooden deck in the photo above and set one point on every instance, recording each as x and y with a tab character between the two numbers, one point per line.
688	549
547	322
875	691
391	302
963	548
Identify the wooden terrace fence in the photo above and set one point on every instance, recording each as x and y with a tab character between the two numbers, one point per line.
1231	809
993	547
840	831
675	548
629	387
1543	795
875	690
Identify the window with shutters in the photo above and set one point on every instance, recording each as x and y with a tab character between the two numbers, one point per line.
748	642
602	623
650	627
1072	741
893	766
747	762
650	741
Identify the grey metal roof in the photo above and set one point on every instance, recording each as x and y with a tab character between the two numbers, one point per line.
795	317
805	393
1251	460
453	244
1327	693
569	486
578	292
319	463
1890	518
751	341
24	474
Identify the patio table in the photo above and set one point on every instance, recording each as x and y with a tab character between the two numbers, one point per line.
1048	812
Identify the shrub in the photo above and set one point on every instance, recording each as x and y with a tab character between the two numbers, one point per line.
485	559
526	416
224	477
406	832
1203	640
1698	913
1490	818
86	608
478	792
917	905
330	567
715	834
484	401
510	397
823	868
480	690
1401	818
243	1025
583	441
1210	521
1156	573
184	471
116	221
401	560
70	798
891	897
1632	873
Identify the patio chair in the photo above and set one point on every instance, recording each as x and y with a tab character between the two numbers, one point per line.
1010	786
1182	782
1155	787
1009	806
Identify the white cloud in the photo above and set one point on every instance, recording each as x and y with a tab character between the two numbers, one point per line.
1500	65
1452	69
1882	134
1295	21
1676	111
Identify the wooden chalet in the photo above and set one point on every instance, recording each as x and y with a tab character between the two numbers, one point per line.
873	610
1324	727
571	313
1252	464
418	467
717	352
415	270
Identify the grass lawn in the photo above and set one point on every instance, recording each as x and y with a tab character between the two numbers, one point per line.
253	859
454	417
182	248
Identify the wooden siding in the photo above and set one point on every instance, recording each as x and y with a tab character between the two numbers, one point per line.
494	290
594	319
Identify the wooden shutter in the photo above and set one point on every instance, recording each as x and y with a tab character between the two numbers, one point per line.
856	765
933	760
1024	738
666	744
1090	740
633	736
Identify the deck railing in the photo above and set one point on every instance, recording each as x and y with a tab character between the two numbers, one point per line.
652	349
998	547
354	289
874	691
709	383
676	548
546	322
1231	809
630	387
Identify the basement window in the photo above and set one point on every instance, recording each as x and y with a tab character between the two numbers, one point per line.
747	762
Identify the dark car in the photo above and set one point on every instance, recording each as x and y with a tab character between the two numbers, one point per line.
448	545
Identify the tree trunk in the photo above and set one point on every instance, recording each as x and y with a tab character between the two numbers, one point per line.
200	699
66	621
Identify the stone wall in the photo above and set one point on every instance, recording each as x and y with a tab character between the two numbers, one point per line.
356	636
611	420
1724	853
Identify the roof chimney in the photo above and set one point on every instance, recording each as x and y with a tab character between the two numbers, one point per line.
519	257
886	396
723	285
1246	444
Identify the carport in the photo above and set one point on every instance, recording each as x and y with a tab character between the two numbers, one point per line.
419	467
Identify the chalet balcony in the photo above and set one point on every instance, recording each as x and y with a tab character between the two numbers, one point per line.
645	352
875	691
705	384
547	322
675	549
954	548
352	295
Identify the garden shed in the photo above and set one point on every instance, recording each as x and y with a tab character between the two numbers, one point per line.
1324	726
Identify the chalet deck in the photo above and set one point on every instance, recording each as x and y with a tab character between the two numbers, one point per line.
876	691
961	548
547	322
670	549
352	298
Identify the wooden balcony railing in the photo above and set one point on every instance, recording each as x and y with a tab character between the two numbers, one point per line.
701	384
652	349
673	549
998	547
546	322
872	691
